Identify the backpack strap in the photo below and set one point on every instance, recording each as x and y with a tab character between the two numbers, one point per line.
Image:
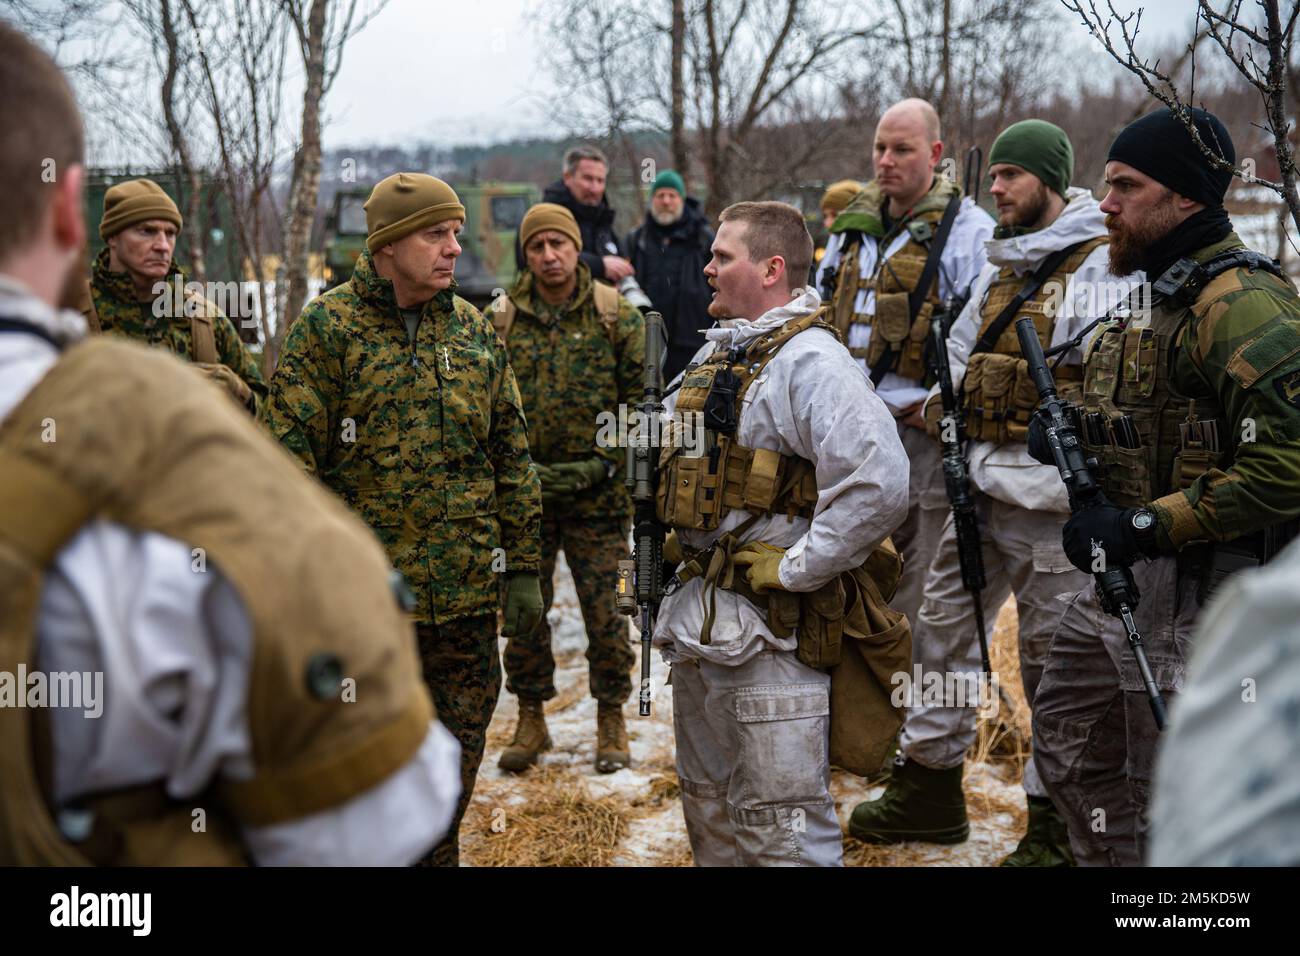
203	337
606	299
503	317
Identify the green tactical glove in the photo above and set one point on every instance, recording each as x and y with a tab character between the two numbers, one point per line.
581	475
545	474
225	376
764	563
523	605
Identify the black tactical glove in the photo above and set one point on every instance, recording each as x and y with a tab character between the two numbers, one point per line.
1111	527
1039	449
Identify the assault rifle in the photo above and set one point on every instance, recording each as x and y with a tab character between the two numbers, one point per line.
956	479
1116	590
641	580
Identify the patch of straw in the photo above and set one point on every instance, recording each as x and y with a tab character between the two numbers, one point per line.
559	823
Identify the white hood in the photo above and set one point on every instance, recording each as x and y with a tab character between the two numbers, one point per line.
1081	219
732	332
18	302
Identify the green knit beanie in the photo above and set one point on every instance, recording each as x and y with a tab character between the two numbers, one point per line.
668	179
1040	147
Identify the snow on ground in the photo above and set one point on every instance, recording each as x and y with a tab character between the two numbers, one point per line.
646	795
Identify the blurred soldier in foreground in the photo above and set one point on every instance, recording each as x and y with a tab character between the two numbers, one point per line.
202	661
576	347
669	251
396	393
799	477
1048	260
1227	784
902	248
136	292
1191	405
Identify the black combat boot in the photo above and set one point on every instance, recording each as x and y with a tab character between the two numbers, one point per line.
1046	841
918	804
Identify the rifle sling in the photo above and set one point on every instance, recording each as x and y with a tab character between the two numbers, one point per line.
929	273
1031	286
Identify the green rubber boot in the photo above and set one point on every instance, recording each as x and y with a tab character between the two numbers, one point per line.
1046	841
918	804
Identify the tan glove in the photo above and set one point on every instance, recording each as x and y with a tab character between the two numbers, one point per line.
225	376
933	416
764	563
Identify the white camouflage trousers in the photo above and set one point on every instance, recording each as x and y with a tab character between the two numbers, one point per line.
927	505
1022	556
753	762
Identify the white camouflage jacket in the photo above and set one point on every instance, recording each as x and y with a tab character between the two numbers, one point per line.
960	264
1005	471
812	400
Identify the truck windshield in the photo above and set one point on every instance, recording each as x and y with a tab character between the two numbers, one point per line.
352	216
508	212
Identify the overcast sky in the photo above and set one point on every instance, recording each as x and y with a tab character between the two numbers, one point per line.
462	71
468	71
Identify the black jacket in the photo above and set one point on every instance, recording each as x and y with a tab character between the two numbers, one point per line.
669	262
595	222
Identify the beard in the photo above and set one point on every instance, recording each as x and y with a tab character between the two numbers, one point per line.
717	308
1129	244
1032	213
666	218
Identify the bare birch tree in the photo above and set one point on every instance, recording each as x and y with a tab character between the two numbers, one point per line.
322	29
1259	49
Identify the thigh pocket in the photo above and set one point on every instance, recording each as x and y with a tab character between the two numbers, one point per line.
783	731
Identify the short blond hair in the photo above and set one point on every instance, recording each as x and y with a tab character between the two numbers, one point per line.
775	229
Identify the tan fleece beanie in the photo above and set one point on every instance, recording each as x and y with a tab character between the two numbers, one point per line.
405	203
135	201
838	195
549	215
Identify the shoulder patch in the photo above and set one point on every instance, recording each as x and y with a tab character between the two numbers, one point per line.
1262	354
1288	388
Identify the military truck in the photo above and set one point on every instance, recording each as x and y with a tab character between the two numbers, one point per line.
493	212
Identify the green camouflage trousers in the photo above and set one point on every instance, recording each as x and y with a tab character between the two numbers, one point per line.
593	548
463	672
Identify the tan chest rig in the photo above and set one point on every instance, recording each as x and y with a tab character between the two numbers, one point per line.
700	482
998	396
1149	440
893	279
846	626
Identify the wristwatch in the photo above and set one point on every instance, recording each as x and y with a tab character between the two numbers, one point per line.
1143	523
